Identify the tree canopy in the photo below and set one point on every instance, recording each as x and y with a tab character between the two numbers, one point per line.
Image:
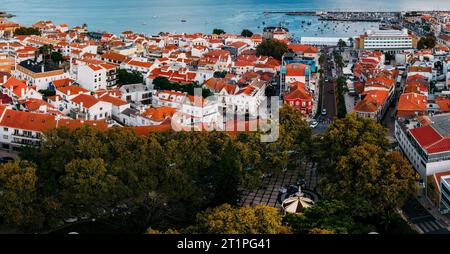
27	31
161	181
18	194
162	83
273	48
125	77
218	31
355	163
225	219
341	44
246	33
427	42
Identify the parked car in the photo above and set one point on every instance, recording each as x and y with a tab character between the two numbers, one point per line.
313	124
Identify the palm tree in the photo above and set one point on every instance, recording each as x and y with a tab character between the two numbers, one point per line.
45	50
350	40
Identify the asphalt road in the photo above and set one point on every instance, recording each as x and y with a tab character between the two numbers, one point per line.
329	97
419	216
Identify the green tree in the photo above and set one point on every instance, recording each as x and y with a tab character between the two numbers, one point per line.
427	42
218	31
18	195
220	74
322	58
227	176
162	83
225	219
333	216
56	57
341	44
88	189
273	48
27	31
47	92
246	33
125	77
341	89
385	179
349	132
45	51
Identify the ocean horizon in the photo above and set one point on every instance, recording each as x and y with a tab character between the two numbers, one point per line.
153	16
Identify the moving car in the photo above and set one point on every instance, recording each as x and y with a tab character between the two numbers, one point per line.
324	111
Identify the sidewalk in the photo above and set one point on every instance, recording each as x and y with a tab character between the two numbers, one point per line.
444	219
349	102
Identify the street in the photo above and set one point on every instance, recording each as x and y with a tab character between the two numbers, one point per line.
329	97
422	219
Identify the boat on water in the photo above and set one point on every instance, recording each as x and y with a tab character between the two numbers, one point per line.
183	20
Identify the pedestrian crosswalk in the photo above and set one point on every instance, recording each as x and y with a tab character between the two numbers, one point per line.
430	226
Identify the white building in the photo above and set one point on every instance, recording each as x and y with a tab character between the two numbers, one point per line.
387	40
427	147
323	41
89	107
191	110
92	77
39	74
136	93
247	99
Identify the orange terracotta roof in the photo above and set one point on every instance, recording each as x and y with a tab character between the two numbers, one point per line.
114	56
372	102
159	114
87	100
298	91
303	48
34	104
113	100
72	90
63	82
409	103
146	130
296	69
443	103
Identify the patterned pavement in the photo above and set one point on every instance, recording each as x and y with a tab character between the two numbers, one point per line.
269	192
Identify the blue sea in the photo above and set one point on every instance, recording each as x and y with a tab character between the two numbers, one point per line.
153	16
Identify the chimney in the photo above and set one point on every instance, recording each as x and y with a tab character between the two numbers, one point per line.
81	104
68	92
4	79
22	91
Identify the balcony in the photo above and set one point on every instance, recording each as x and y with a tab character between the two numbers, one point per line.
26	136
28	142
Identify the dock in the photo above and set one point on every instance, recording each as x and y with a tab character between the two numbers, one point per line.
354	16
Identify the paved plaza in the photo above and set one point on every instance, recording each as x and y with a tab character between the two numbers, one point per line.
269	194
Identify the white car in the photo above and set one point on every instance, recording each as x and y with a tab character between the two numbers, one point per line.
313	124
324	111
